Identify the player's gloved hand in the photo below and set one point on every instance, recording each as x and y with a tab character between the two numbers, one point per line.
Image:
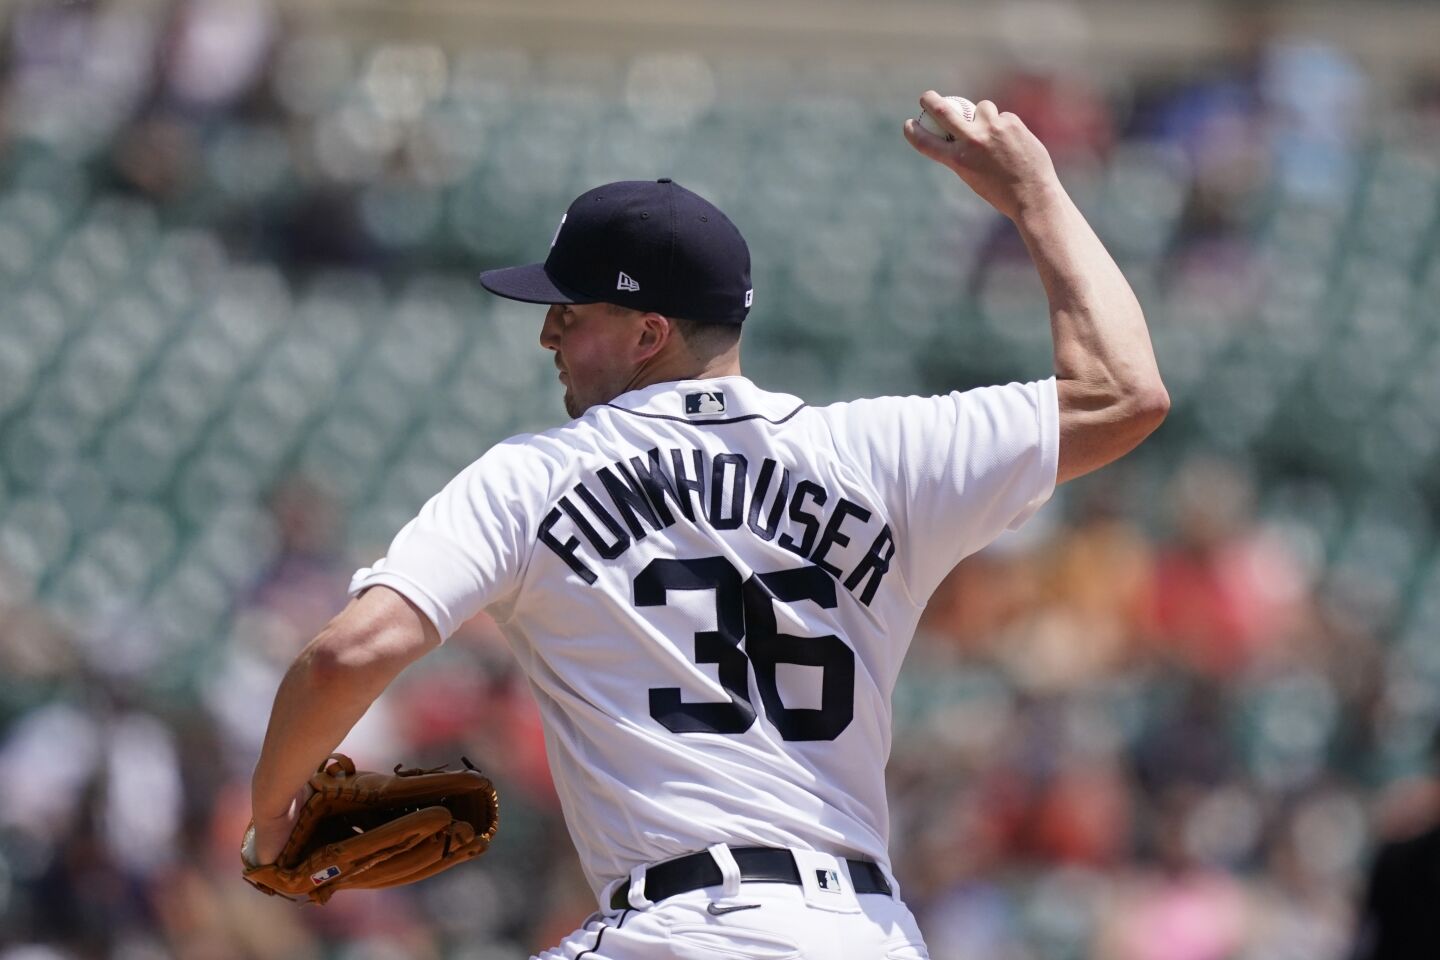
995	153
367	830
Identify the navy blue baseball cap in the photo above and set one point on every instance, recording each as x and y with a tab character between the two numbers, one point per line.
648	245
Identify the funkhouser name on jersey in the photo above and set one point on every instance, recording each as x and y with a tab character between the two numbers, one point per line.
605	514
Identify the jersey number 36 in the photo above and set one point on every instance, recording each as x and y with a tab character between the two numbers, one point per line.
745	611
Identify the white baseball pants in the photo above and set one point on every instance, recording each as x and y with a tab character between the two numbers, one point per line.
752	921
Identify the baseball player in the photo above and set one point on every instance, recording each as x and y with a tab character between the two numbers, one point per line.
711	586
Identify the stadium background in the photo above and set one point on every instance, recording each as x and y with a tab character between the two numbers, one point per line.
241	342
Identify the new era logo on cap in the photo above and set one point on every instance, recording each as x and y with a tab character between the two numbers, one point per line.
708	402
626	283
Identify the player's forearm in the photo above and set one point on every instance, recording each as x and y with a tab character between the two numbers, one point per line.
314	710
1109	387
1102	346
326	691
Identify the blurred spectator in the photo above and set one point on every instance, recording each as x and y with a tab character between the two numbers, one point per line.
1179	909
1225	594
1216	119
1314	95
76	71
1398	919
1085	619
306	584
1185	745
1424	104
1064	110
34	650
216	50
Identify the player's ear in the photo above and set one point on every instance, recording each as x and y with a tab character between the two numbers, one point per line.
654	333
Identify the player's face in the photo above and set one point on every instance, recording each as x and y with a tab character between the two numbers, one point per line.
594	347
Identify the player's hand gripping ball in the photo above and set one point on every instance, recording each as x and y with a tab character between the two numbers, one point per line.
362	830
993	152
928	122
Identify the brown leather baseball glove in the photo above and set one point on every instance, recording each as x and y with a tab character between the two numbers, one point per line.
367	830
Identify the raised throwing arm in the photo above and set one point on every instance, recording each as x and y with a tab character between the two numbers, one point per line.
1110	392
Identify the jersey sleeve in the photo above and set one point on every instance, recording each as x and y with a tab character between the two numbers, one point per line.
954	471
467	548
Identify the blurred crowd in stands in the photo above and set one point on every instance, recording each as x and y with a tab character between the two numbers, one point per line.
1161	722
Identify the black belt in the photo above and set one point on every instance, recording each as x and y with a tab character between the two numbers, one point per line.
762	864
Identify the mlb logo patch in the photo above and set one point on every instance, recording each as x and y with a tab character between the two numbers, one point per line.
323	876
828	880
707	403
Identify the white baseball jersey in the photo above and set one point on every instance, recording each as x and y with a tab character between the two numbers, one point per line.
711	588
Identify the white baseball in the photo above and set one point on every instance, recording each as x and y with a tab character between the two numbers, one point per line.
247	847
926	121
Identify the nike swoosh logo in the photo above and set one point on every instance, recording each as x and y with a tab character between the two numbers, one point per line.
718	911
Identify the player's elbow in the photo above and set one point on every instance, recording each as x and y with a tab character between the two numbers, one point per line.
339	657
331	659
1134	401
1099	426
1146	406
371	640
324	661
339	669
1131	406
1135	414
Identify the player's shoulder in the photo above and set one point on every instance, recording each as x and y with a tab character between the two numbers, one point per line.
523	464
553	452
877	411
887	407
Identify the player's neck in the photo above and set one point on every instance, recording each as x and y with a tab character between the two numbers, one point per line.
670	369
